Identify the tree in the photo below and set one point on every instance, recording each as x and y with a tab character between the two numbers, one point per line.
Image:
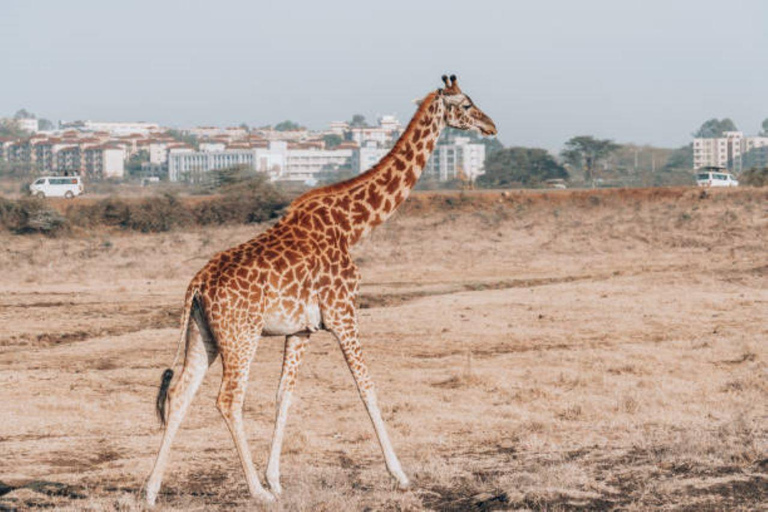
765	127
529	166
24	114
585	152
358	121
287	126
45	124
186	138
133	165
714	128
332	140
681	158
244	126
10	128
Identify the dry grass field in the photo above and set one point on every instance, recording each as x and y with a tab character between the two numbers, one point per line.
542	351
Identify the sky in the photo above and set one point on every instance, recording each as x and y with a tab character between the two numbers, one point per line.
645	72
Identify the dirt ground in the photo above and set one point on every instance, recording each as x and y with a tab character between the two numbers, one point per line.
552	351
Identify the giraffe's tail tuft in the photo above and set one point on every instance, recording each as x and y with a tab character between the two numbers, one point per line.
162	394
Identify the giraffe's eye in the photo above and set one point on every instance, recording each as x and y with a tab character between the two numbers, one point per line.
467	106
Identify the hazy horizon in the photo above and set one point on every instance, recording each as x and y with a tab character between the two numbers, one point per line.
647	73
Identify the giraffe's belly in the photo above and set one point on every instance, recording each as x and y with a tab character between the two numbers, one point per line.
281	323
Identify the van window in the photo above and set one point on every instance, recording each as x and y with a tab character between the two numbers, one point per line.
721	177
702	176
40	181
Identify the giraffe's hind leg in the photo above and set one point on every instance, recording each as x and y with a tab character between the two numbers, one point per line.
200	354
295	346
236	363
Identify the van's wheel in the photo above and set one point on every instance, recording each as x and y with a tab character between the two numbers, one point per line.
68	194
40	195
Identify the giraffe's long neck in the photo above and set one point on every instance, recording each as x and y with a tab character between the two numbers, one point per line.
358	205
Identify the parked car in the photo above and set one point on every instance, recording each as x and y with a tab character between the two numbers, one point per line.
57	186
556	183
716	179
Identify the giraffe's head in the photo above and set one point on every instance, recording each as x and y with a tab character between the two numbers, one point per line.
461	112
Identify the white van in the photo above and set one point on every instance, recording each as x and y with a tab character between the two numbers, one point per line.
716	179
57	186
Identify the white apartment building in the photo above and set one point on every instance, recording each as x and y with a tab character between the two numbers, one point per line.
207	132
114	129
28	125
305	164
276	160
367	155
732	151
460	159
755	152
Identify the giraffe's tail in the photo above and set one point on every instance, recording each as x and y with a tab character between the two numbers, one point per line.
165	382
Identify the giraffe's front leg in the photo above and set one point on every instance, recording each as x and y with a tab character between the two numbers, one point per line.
342	322
295	346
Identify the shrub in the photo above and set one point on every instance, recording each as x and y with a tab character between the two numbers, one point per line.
31	215
158	214
250	200
755	177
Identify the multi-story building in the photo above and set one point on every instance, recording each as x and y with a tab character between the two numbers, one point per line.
755	152
732	151
367	155
207	132
306	164
28	125
458	159
114	129
194	166
104	161
278	161
385	134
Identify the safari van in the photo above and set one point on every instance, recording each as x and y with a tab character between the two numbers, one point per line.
57	186
711	178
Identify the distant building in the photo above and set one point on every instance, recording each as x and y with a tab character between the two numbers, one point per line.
305	164
385	134
279	161
28	125
755	152
115	129
208	132
459	159
732	151
104	161
367	155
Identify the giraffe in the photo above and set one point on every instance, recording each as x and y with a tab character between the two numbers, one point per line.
294	279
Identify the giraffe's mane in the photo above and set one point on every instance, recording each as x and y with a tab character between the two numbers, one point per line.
350	183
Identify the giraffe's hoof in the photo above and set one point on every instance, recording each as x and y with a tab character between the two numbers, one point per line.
150	497
275	487
265	496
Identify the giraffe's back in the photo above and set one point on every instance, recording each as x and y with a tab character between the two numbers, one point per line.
264	284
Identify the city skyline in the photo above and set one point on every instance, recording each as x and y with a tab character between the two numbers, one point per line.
633	73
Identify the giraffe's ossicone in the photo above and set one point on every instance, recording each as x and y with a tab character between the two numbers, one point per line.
296	278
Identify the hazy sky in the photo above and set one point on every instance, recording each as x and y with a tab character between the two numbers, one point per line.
635	71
